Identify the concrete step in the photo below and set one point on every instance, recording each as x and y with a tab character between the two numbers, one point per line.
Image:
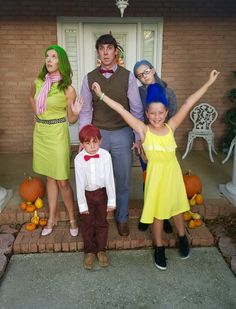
60	239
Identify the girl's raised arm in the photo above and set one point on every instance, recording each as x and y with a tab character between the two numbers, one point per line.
133	122
177	119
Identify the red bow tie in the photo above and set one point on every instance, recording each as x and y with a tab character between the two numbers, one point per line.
106	71
86	157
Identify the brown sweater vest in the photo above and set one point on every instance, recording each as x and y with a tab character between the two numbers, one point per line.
116	87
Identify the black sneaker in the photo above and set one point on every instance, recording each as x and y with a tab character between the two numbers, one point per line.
159	257
167	226
184	247
143	226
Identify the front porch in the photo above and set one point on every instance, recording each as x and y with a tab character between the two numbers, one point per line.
15	167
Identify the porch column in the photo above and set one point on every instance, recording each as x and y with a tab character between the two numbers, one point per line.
5	196
229	189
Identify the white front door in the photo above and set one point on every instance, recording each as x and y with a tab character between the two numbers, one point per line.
125	35
139	38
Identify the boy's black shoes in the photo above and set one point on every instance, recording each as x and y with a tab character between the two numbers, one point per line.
159	257
184	247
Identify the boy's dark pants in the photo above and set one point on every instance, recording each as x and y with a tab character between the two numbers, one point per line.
94	226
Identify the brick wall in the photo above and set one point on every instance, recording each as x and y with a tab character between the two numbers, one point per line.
22	46
192	47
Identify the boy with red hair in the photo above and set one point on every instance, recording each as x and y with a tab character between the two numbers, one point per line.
96	196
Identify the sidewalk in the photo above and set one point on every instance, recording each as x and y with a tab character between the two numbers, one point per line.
59	281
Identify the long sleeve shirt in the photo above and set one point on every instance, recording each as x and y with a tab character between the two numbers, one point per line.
135	103
94	174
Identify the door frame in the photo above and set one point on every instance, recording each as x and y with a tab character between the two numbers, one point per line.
78	22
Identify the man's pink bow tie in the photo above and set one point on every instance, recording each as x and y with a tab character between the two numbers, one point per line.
86	157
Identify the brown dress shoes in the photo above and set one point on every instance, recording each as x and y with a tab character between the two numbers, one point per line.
123	229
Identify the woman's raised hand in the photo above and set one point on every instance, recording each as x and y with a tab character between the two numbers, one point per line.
213	76
97	89
77	105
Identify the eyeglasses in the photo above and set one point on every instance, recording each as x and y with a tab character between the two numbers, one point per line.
145	73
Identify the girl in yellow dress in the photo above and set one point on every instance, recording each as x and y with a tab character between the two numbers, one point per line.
53	102
164	195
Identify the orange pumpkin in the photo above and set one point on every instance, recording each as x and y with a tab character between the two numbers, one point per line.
42	222
193	184
199	199
31	188
30	208
198	222
23	205
191	224
30	226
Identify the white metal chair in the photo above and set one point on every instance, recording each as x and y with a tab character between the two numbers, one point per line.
202	116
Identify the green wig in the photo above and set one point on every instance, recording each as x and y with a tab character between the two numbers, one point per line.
64	67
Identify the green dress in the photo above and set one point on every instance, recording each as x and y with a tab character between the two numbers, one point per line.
165	195
51	142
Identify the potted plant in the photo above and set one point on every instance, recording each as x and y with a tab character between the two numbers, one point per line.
230	120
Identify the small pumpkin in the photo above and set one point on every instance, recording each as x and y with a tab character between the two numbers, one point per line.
192	183
31	188
43	222
199	199
187	216
30	208
198	222
30	226
191	224
23	205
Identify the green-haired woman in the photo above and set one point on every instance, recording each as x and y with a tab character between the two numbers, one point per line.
53	101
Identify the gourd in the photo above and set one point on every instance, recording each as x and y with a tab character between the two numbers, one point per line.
42	222
192	183
30	208
23	205
31	188
38	203
30	226
35	218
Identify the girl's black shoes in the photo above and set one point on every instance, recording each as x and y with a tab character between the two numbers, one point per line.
184	247
159	257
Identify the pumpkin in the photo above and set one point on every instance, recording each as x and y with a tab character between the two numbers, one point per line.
30	208
193	184
43	222
30	226
199	199
187	216
198	222
191	224
31	188
23	205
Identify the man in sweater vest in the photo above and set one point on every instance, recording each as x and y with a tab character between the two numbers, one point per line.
119	84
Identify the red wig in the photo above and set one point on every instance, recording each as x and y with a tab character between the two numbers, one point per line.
88	133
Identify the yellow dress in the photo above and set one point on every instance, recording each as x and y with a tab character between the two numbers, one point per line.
164	194
51	143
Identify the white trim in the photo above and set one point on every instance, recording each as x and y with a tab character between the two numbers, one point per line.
105	20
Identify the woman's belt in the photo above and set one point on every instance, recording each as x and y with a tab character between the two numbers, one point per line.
51	121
